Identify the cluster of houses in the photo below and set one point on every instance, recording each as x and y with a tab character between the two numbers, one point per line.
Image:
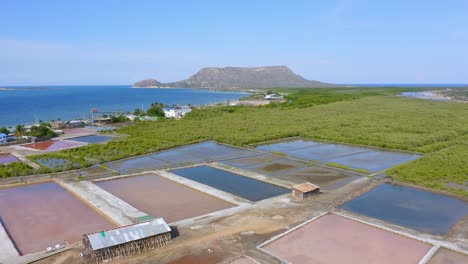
176	112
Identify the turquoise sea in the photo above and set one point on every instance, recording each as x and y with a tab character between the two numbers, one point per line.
27	105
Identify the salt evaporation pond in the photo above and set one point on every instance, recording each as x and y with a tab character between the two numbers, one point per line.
336	239
369	159
161	197
43	215
53	145
92	139
245	187
416	209
6	158
191	154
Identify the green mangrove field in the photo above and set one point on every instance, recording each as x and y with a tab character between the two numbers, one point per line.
366	116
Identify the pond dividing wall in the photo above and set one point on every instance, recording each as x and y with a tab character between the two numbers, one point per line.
336	239
42	215
369	159
416	209
245	187
161	197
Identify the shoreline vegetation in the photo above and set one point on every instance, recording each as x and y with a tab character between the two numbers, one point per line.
366	116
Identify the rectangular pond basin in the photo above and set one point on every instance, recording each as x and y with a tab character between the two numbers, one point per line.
161	197
416	209
143	163
42	215
6	158
336	239
292	171
186	155
447	256
245	187
53	145
92	139
357	157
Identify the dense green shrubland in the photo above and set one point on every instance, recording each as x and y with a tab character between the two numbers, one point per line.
360	116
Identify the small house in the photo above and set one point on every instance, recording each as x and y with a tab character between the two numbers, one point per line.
57	124
305	191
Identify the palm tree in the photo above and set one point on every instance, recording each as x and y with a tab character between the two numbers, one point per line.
19	131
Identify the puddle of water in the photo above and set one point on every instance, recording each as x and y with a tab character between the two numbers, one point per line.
355	157
247	188
336	239
92	139
7	158
447	256
416	209
53	145
374	160
161	197
42	215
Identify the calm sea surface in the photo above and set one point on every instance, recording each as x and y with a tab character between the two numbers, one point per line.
26	106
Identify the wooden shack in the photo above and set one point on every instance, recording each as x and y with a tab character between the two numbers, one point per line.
125	241
305	191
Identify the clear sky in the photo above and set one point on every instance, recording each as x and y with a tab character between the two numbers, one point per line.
339	41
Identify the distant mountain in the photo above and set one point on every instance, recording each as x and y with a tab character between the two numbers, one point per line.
148	83
240	78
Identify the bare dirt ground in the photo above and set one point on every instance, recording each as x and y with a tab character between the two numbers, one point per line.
218	239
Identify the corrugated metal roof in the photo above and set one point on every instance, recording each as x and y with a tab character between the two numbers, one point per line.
126	234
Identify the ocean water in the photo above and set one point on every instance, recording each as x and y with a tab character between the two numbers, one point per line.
26	106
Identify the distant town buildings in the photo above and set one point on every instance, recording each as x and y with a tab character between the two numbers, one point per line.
273	97
176	112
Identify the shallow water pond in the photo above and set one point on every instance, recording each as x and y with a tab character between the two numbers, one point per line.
416	209
245	187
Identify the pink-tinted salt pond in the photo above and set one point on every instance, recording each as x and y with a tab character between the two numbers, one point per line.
53	145
78	131
336	239
161	197
42	215
6	158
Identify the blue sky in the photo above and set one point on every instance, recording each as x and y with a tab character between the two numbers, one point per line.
343	41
